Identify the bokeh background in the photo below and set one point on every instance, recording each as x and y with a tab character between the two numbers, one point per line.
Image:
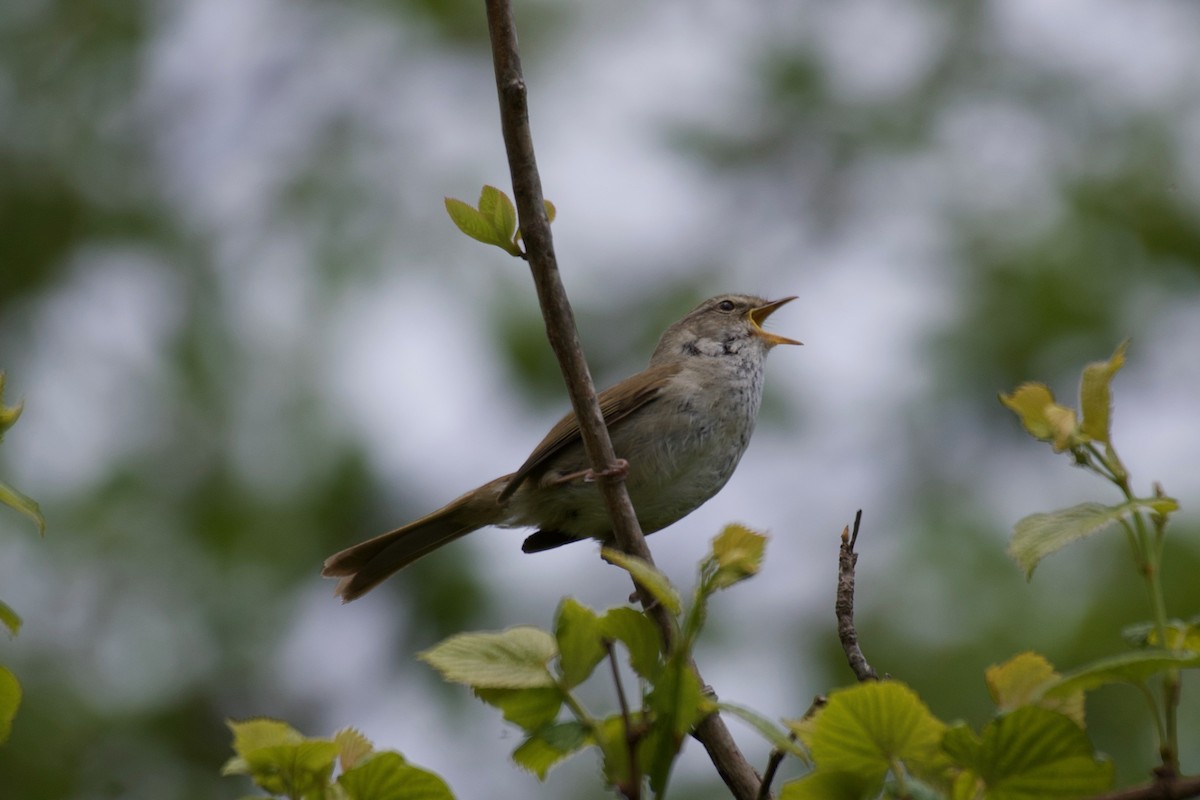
247	335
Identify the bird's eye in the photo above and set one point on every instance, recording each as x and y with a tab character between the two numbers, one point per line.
725	305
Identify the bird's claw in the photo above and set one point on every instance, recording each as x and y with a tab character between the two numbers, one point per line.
617	469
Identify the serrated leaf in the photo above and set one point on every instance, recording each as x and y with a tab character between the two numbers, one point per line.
295	770
1095	395
550	745
640	636
738	552
1039	535
10	619
387	776
1030	753
10	701
352	747
498	209
26	505
517	658
1034	405
529	709
1132	668
474	224
1020	682
613	740
768	729
580	641
648	577
865	728
257	733
824	784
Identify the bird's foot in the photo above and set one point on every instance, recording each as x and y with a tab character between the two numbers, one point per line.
618	469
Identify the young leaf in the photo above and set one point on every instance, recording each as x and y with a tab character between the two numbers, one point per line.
640	636
10	619
868	727
649	578
1180	635
260	732
613	740
1133	668
294	770
550	745
580	641
1034	405
387	776
551	211
1095	397
529	709
516	658
473	223
738	552
26	505
352	747
8	414
495	207
1039	535
10	700
1029	753
1020	682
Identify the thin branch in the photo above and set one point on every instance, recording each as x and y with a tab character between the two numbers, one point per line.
773	762
844	607
737	773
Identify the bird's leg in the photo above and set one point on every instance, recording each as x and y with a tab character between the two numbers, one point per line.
618	469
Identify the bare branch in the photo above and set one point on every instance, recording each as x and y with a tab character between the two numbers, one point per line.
737	773
1171	788
844	607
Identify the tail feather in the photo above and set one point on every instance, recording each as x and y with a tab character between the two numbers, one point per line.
364	566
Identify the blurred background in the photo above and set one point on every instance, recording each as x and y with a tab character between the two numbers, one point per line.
247	335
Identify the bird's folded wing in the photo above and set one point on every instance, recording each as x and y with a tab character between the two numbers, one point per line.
616	403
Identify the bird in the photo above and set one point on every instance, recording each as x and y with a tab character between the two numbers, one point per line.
678	427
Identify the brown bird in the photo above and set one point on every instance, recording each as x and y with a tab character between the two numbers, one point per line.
681	426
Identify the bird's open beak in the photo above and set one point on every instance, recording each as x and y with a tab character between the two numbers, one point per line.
759	315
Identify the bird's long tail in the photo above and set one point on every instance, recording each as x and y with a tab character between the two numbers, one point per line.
364	566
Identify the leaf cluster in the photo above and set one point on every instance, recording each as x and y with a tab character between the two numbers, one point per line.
493	220
284	763
531	675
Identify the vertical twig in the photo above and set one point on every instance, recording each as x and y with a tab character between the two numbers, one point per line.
844	606
737	773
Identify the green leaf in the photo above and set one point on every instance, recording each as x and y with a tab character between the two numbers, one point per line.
825	784
640	636
769	730
550	745
677	703
866	728
647	577
387	776
580	641
551	211
1020	682
295	770
26	505
1095	396
10	619
495	207
738	552
516	658
8	414
352	747
1180	635
1133	668
1029	754
10	701
473	223
528	708
260	732
613	740
1039	535
1034	405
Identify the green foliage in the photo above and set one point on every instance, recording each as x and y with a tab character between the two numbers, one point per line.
284	763
493	220
8	495
10	700
531	675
